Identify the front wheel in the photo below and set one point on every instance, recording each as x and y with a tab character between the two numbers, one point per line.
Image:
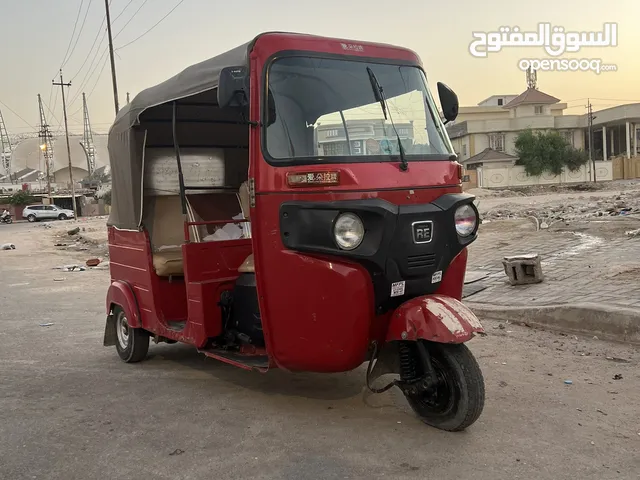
62	216
8	220
132	343
31	218
456	399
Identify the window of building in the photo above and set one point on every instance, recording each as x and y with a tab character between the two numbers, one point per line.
500	101
539	109
496	142
464	150
568	137
332	133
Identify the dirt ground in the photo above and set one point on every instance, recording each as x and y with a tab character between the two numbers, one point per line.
70	409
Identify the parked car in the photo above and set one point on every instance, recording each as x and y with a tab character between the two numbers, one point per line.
33	213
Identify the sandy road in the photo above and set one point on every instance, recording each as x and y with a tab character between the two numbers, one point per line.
70	409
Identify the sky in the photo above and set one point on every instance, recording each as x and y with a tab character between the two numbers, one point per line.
35	39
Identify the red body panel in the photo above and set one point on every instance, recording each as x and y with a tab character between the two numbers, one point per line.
437	318
120	294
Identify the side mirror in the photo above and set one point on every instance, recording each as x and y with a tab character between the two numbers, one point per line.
448	101
233	87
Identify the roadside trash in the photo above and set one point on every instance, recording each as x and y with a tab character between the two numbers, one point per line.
568	382
58	279
46	324
501	326
93	262
71	268
60	245
503	383
74	231
593	443
617	360
177	451
8	246
544	225
600	411
45	225
634	233
617	376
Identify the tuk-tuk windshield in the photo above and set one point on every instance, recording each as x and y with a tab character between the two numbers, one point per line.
326	110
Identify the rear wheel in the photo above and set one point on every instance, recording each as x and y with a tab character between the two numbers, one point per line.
8	220
31	217
62	216
132	343
456	400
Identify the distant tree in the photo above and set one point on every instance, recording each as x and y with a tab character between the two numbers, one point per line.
540	152
23	197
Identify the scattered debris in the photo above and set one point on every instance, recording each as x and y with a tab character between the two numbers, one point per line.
8	246
501	326
177	451
634	233
600	411
568	382
60	245
93	262
45	225
617	376
74	231
617	360
502	383
58	279
523	269
46	324
71	268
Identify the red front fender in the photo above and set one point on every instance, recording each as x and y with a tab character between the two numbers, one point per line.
436	318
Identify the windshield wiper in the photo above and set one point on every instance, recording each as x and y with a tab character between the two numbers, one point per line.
378	93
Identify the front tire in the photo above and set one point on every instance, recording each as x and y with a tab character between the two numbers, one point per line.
132	344
457	399
62	216
31	218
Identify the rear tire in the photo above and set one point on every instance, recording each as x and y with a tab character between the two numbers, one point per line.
31	218
457	401
62	216
132	344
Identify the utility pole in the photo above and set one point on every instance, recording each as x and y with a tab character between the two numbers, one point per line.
592	153
127	97
113	62
87	138
66	129
46	145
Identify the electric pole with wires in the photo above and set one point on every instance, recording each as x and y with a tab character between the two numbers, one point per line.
113	62
46	145
66	129
592	151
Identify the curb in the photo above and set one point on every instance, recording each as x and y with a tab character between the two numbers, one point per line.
613	323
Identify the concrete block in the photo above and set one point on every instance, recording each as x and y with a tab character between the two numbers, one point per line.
523	269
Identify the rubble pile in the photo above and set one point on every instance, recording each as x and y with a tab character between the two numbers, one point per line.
625	204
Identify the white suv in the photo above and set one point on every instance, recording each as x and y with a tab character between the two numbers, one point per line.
34	213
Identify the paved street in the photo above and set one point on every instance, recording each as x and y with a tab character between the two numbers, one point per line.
579	265
70	409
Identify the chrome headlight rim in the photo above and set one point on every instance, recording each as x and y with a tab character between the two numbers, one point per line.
336	237
476	223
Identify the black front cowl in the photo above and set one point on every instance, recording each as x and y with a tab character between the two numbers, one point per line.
410	243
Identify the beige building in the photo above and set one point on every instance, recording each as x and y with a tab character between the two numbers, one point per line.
496	122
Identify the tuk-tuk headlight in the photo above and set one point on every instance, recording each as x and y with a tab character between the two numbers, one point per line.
348	231
466	220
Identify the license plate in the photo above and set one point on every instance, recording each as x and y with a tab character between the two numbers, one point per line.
397	289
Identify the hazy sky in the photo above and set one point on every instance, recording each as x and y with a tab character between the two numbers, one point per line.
34	35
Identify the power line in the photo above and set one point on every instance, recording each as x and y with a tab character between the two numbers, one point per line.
123	10
75	25
132	17
154	26
84	20
91	49
16	114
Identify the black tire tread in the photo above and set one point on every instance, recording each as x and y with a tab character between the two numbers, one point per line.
138	343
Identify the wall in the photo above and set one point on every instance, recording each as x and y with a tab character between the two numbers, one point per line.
515	176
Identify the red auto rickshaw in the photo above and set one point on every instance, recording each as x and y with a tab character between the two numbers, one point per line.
296	203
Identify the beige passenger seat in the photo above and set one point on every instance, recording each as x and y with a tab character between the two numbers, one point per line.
167	236
245	203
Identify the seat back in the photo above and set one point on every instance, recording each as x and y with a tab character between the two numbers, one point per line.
167	227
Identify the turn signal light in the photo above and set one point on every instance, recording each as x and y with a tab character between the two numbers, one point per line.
313	178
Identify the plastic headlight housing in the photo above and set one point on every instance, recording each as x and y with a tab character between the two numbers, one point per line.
466	220
348	231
